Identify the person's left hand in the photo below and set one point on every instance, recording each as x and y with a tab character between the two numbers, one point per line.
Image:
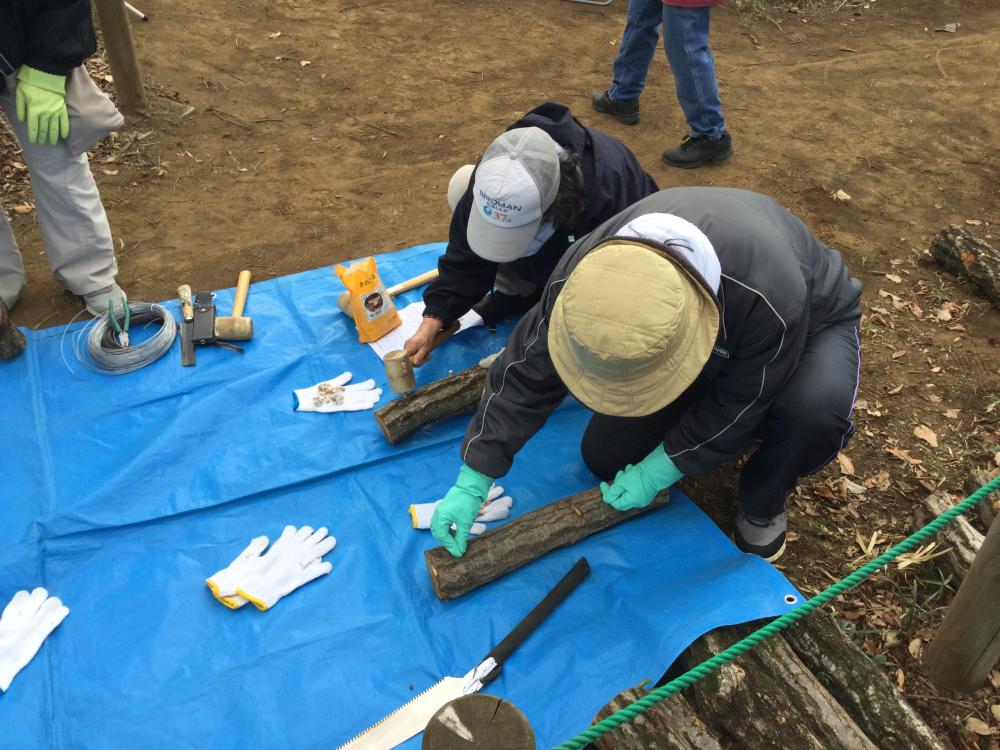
41	102
635	486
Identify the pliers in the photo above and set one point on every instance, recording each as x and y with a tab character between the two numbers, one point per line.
122	331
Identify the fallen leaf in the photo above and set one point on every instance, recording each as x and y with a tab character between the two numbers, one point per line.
952	413
898	354
956	327
926	434
894	278
880	481
904	456
895	390
111	172
916	309
846	465
915	646
23	208
900	679
995	678
853	487
840	195
995	710
303	63
275	35
973	222
978	726
934	398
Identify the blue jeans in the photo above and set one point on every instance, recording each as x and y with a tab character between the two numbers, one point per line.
685	40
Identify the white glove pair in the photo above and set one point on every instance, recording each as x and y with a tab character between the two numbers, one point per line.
334	395
25	624
292	561
496	508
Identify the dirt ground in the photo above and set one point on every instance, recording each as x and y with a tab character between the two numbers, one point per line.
286	135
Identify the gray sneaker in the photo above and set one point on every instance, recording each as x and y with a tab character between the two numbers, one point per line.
97	302
764	537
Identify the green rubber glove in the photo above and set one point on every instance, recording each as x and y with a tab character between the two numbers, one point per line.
636	486
41	101
460	507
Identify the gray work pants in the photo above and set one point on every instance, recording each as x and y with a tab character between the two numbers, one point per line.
75	229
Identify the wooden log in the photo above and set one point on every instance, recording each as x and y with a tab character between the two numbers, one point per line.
988	507
960	535
478	721
525	539
671	724
121	54
967	256
767	699
456	394
967	644
12	341
859	685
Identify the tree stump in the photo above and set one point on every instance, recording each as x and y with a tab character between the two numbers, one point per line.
12	341
671	724
526	539
960	535
456	394
768	700
968	257
478	721
859	685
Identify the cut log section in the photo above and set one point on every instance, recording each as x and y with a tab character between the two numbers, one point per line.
669	725
988	507
968	257
859	685
12	341
768	700
960	535
526	539
456	394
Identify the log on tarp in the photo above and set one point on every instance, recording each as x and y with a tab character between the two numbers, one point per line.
767	699
960	538
526	539
968	257
671	724
859	685
12	340
448	397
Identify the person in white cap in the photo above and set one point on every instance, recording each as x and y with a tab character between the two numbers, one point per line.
57	115
692	323
538	187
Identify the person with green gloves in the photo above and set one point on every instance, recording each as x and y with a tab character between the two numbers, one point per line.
58	114
693	324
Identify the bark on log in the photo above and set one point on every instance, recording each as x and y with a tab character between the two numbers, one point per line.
963	538
671	724
859	685
12	341
768	699
986	508
965	255
526	539
967	644
456	394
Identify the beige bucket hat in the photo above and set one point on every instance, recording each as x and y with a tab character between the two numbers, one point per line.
631	329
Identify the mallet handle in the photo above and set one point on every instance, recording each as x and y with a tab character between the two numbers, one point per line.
242	288
405	286
187	306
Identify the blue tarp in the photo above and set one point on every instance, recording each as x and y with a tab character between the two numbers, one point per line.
121	494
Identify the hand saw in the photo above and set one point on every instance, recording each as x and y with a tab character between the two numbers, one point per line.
411	718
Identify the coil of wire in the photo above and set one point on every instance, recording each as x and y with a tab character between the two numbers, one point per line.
98	348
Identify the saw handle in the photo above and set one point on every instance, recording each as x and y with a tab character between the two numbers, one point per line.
534	618
242	288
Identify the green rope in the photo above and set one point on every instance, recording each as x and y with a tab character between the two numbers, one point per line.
742	646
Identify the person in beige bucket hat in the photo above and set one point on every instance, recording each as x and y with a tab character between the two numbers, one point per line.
692	324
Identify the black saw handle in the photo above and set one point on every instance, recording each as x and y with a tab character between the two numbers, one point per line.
534	618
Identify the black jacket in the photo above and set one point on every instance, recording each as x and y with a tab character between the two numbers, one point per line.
613	179
53	36
779	285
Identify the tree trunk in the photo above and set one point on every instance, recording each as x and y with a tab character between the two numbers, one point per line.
524	540
767	699
456	394
859	685
963	538
669	725
965	255
12	341
113	19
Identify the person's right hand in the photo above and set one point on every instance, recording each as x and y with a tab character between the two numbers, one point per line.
420	345
460	507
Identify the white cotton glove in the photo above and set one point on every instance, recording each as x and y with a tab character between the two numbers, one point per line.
496	508
292	561
25	624
334	395
224	583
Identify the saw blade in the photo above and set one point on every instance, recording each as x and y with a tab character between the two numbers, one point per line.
409	719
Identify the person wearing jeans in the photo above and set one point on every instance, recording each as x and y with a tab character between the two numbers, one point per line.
685	38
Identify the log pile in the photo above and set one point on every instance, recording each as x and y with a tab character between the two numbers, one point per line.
12	341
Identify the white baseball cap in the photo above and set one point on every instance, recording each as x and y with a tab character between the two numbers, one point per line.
516	182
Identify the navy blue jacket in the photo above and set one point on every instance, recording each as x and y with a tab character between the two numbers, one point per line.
53	36
613	179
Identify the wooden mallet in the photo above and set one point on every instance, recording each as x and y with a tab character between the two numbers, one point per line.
236	327
344	301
